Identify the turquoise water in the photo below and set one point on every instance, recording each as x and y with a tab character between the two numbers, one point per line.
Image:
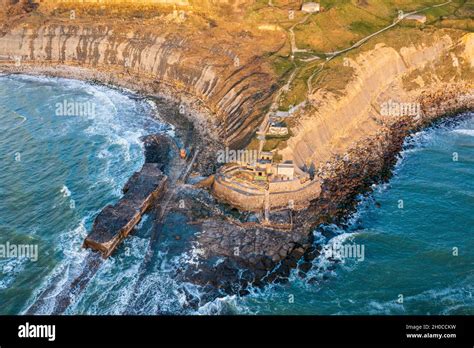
57	172
409	229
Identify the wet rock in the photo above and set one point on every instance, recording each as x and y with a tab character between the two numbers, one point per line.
291	262
260	273
276	258
282	253
144	186
267	262
157	149
311	254
305	266
297	253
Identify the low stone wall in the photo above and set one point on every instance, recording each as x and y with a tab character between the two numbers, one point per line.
229	193
281	194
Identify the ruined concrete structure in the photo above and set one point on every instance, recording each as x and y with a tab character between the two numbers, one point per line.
115	222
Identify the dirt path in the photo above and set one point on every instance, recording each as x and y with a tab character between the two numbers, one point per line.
331	55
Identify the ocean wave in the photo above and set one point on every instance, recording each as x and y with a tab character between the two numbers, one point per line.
448	301
229	304
115	130
10	269
452	300
111	288
170	129
60	278
384	308
469	132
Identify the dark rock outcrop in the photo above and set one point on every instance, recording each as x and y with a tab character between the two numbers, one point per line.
157	148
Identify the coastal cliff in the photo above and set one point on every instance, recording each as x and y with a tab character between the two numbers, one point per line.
355	144
345	132
335	121
172	56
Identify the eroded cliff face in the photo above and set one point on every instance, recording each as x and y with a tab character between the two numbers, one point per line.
234	4
333	124
223	68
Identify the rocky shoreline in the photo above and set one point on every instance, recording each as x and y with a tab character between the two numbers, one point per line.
257	255
235	251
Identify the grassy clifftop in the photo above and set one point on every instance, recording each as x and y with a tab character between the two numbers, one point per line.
273	39
341	24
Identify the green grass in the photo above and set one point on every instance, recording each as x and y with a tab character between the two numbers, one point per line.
282	65
273	144
363	28
253	145
343	22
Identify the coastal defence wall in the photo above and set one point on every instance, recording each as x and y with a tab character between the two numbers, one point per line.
282	194
223	70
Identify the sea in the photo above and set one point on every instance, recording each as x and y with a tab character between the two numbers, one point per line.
67	148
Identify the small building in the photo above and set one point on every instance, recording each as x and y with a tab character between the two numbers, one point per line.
310	7
260	173
421	18
278	129
266	155
286	170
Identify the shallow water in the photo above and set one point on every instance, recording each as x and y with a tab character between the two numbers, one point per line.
58	172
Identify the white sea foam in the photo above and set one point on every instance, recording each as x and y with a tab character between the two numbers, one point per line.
469	132
112	286
192	258
118	120
458	299
10	269
69	243
65	191
229	304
